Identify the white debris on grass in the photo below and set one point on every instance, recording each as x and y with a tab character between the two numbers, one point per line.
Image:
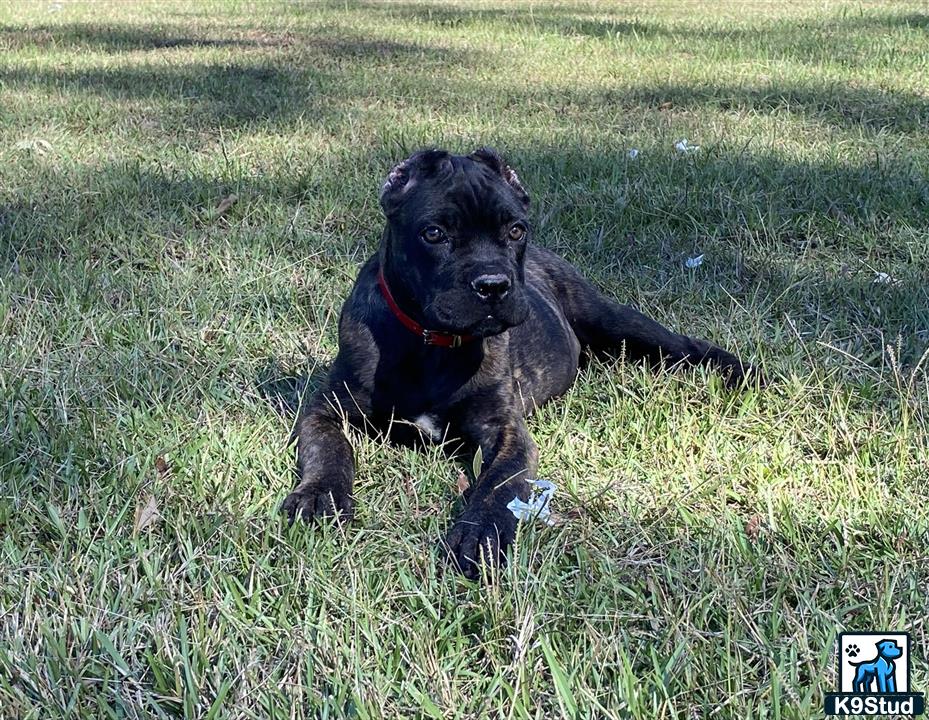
539	505
882	278
36	145
632	153
694	262
684	147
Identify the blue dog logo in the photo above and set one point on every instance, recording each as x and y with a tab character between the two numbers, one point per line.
879	686
877	675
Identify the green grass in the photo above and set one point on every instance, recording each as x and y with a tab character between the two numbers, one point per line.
711	544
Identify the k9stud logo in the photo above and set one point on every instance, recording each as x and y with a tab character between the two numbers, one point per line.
874	676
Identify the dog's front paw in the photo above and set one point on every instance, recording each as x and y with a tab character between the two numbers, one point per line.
480	538
742	374
735	372
309	502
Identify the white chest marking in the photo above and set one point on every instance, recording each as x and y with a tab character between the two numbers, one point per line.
429	426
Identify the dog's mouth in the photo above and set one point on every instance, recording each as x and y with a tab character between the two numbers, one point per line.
489	320
488	326
494	321
462	312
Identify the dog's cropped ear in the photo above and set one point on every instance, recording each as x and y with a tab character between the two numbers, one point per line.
492	159
403	177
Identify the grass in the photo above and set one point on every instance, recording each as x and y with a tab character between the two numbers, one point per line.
154	345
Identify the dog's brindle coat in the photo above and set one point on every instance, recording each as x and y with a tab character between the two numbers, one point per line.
457	257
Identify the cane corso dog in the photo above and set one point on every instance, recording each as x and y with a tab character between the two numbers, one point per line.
458	327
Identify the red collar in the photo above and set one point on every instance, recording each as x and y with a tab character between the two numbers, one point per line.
430	337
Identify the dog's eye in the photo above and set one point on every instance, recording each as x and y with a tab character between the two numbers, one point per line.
433	234
517	232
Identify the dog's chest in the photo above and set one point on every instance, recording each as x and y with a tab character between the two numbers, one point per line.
431	426
420	389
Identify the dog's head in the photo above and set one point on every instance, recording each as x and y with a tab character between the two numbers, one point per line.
889	649
457	229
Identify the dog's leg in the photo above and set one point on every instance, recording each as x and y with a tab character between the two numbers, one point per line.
610	328
509	458
607	327
325	463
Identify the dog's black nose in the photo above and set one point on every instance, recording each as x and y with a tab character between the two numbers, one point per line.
491	286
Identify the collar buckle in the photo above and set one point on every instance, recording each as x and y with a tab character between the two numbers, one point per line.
442	339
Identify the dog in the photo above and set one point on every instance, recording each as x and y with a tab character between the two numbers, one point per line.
880	669
458	327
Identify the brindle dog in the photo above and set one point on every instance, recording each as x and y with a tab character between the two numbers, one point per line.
460	326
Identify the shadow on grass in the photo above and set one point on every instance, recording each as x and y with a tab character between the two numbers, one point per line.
833	40
583	19
220	94
110	38
910	21
832	103
116	39
801	38
284	390
318	77
307	79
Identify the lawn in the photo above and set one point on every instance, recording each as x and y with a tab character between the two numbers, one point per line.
186	193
